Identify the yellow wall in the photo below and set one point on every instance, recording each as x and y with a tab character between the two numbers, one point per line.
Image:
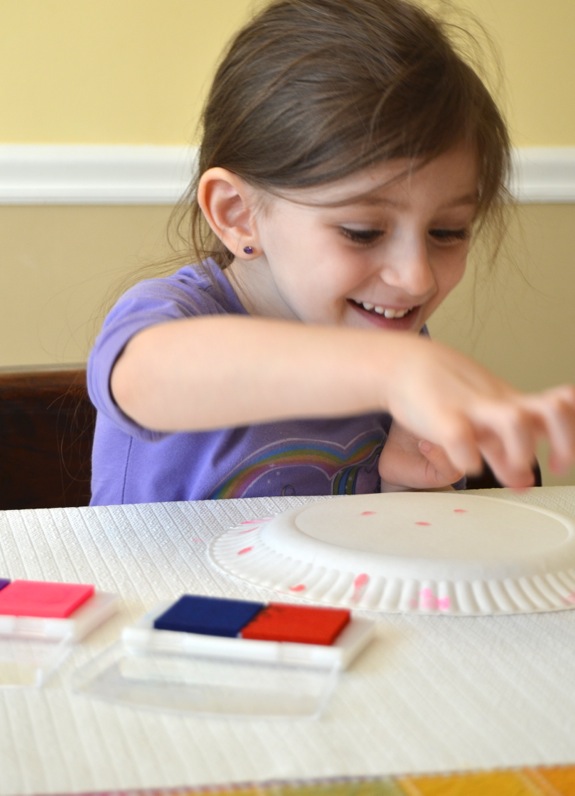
134	71
536	42
108	71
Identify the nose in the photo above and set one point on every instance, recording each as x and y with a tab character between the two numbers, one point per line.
407	267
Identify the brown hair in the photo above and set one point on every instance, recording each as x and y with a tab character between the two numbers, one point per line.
311	91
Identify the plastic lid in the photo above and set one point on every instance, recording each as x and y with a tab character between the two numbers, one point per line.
205	684
28	661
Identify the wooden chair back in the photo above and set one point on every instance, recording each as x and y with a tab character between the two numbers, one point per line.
46	431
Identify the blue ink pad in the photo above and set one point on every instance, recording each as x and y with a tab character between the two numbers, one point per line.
212	616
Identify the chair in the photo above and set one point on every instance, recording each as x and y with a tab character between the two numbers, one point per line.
46	431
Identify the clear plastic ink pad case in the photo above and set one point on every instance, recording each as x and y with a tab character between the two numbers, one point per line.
39	623
220	657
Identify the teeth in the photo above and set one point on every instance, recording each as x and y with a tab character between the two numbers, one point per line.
387	313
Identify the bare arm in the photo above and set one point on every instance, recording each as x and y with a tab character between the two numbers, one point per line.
216	371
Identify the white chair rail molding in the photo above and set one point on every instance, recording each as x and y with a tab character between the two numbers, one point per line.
158	175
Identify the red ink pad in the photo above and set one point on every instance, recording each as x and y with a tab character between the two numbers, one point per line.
3	582
303	624
43	599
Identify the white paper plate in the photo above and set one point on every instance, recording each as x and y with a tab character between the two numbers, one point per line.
412	552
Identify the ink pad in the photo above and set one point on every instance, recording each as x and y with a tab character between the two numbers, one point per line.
206	673
208	615
39	622
310	634
303	624
43	598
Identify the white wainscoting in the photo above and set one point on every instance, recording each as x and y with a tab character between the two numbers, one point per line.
157	175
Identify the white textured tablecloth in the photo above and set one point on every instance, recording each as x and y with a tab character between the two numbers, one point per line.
430	694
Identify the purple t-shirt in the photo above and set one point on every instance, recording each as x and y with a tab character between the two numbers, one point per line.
131	464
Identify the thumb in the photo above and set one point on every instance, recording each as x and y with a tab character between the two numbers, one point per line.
422	465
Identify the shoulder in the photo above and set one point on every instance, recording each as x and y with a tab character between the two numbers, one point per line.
192	290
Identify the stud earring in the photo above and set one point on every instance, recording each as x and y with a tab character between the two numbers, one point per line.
248	249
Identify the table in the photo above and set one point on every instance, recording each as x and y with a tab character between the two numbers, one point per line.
431	694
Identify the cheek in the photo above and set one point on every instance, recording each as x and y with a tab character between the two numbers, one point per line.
452	274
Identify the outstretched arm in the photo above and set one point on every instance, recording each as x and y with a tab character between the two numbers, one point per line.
214	371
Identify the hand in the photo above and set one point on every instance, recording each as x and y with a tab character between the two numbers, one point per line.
409	463
451	401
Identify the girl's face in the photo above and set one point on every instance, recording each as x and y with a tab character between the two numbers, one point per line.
378	250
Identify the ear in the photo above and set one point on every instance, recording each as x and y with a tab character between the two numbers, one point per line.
227	203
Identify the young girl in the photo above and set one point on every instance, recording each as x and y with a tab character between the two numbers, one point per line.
348	156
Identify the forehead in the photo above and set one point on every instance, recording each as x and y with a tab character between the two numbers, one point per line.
450	179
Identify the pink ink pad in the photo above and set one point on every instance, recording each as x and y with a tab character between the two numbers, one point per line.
43	599
40	620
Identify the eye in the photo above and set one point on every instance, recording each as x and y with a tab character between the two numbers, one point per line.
362	236
450	235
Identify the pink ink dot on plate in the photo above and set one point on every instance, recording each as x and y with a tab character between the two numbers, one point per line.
298	587
250	522
460	511
422	522
248	530
427	599
368	513
432	603
359	585
570	599
245	550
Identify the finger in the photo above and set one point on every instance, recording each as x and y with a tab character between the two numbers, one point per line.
511	477
556	409
460	445
510	454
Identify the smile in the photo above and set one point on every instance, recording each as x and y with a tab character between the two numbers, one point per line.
387	312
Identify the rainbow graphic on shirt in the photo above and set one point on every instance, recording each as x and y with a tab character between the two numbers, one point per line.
331	467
